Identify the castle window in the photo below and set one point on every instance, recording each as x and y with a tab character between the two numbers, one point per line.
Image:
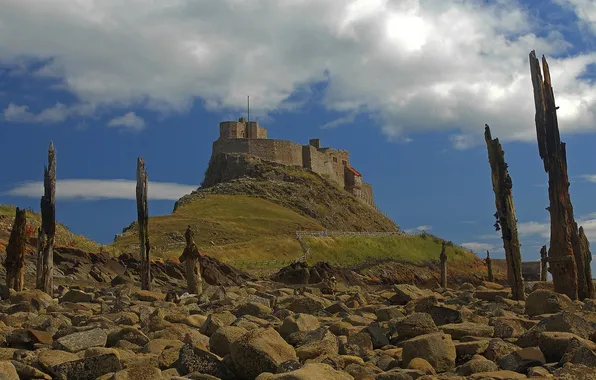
344	162
334	159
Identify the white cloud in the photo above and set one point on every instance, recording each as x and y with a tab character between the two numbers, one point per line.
418	229
129	121
589	177
56	114
533	228
478	248
407	64
95	189
584	9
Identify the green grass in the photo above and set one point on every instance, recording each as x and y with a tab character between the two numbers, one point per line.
352	251
234	228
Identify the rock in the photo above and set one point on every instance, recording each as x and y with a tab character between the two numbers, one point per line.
413	325
82	340
544	301
28	372
421	365
253	308
310	371
554	344
194	359
50	358
578	352
491	295
308	304
148	296
507	328
437	348
298	322
476	366
260	350
129	334
74	295
87	368
522	360
215	321
312	348
497	375
460	330
8	371
221	340
138	373
35	297
389	313
405	293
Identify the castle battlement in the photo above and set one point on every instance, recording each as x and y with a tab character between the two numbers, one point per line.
250	138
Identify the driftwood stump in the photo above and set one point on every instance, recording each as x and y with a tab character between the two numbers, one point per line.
443	257
15	252
143	221
190	257
543	264
47	231
587	255
489	267
506	220
565	258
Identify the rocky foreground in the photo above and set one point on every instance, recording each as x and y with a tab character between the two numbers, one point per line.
265	330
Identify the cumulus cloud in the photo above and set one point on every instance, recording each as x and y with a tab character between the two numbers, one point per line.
96	189
584	9
128	121
410	65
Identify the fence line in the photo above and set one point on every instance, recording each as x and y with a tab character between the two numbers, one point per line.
328	233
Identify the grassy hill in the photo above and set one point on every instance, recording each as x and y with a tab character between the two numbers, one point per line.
247	213
64	238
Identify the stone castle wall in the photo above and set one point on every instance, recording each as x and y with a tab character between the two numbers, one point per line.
250	138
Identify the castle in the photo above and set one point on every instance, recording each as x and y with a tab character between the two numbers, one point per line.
250	138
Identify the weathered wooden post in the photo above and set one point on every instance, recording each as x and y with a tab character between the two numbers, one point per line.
190	257
443	257
506	220
565	257
47	232
587	254
143	221
489	266
543	264
15	252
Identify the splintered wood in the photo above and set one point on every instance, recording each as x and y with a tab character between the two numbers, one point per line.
47	231
143	221
506	220
190	258
443	257
15	252
566	255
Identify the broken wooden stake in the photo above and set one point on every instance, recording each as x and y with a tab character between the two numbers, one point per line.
489	266
443	257
565	257
506	220
587	256
47	231
190	257
15	252
543	264
143	221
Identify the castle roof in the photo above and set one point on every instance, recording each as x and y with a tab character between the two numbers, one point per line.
354	171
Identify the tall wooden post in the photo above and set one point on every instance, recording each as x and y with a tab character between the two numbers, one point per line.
489	266
443	257
506	220
15	252
543	264
190	257
564	255
143	221
45	261
587	255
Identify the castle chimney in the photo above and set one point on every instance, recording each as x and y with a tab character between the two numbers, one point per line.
242	120
315	142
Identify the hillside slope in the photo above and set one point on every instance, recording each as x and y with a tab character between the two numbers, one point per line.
64	238
295	188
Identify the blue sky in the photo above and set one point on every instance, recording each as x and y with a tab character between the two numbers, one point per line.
405	86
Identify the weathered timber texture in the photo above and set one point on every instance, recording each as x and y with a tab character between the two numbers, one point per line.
506	220
45	260
564	256
190	257
587	255
443	257
543	264
489	267
143	221
15	252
